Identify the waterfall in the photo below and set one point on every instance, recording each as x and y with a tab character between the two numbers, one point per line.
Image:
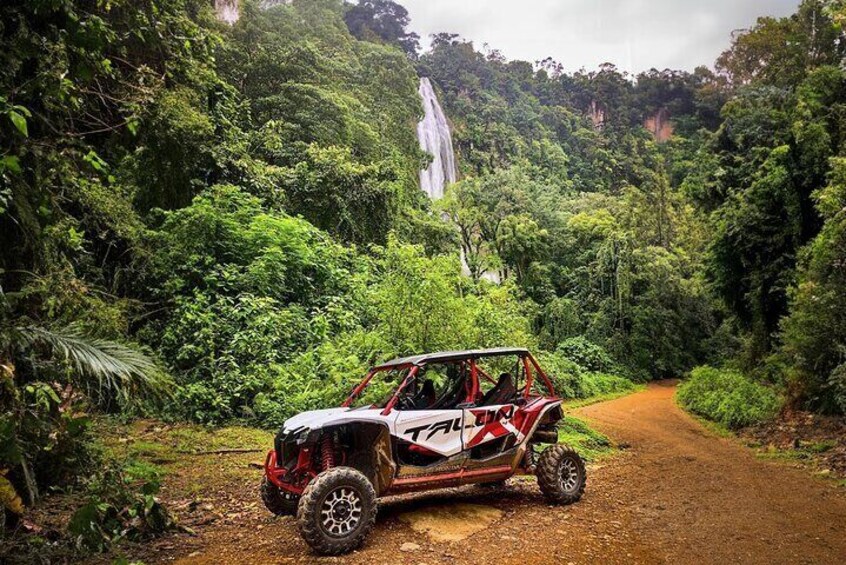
435	139
227	11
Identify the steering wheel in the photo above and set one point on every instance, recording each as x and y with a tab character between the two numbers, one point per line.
405	403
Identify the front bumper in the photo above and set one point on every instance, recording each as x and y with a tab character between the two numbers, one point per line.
293	476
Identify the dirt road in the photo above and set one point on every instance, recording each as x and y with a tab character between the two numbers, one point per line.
676	494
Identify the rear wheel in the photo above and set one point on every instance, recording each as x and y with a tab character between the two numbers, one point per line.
278	501
561	474
337	511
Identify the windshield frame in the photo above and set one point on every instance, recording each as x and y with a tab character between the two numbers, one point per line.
527	359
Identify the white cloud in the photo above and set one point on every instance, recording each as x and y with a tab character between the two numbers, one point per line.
635	35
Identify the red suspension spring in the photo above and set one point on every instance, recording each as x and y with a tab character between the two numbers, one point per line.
327	452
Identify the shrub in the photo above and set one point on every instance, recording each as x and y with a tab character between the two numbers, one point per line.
571	381
728	397
597	384
319	378
587	355
566	376
233	341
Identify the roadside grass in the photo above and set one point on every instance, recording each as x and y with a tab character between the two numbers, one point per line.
729	397
196	459
163	443
805	452
772	453
590	444
715	428
806	455
198	439
821	446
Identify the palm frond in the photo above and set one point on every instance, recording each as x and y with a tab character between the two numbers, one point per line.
106	369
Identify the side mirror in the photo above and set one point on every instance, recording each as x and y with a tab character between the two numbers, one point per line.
521	401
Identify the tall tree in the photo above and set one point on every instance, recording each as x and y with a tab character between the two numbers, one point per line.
383	20
780	51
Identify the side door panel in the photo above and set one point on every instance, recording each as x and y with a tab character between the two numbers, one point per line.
436	430
488	423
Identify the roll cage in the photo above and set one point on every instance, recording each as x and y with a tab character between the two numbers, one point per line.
526	364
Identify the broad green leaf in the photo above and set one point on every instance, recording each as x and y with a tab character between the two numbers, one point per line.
19	121
11	163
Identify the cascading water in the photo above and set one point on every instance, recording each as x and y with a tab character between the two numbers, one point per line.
227	10
435	139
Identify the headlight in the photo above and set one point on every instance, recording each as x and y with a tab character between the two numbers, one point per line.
299	435
302	436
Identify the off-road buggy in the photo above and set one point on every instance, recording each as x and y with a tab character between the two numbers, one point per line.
419	423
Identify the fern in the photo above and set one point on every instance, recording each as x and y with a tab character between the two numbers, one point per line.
105	369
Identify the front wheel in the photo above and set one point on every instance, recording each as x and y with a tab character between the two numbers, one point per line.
337	511
561	474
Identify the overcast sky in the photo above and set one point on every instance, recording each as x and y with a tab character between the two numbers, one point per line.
635	35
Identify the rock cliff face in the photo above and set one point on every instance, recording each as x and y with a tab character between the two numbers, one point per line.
659	125
597	114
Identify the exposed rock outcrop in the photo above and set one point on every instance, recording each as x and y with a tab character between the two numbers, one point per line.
659	125
597	114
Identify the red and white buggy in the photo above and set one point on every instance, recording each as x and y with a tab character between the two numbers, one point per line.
419	423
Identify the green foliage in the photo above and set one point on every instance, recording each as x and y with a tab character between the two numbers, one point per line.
252	289
728	397
411	303
837	383
282	319
588	356
47	387
331	119
815	331
381	20
572	381
321	377
603	384
773	151
121	504
423	304
105	370
780	51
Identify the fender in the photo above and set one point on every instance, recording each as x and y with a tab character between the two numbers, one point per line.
533	415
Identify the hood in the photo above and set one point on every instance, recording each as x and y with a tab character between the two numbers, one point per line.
313	419
317	419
